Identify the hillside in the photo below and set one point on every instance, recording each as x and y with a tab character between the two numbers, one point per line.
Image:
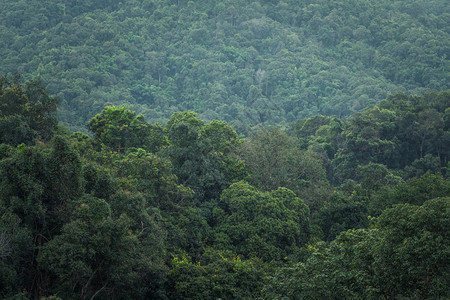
246	62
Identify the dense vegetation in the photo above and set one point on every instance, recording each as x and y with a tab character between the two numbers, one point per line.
317	166
246	62
332	209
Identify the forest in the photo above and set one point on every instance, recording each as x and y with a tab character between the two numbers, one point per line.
328	209
237	149
250	63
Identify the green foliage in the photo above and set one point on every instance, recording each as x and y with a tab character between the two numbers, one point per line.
415	248
141	211
414	191
268	225
15	130
374	176
401	132
26	112
419	167
218	275
96	254
16	244
405	255
153	177
202	155
373	180
247	62
339	215
120	129
38	183
274	160
98	182
220	136
188	231
339	270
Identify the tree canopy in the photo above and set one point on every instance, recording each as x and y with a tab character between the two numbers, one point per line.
245	62
224	149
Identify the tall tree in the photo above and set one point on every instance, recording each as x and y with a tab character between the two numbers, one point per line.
120	129
268	225
202	155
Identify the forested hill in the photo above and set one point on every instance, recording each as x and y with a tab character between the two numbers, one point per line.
246	62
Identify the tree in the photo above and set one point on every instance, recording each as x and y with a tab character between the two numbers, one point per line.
413	191
38	185
16	249
403	255
419	167
338	270
371	136
218	275
202	155
41	109
154	178
412	258
274	160
340	214
26	112
120	129
268	225
98	254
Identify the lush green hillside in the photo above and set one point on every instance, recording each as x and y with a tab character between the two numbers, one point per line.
246	62
346	196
